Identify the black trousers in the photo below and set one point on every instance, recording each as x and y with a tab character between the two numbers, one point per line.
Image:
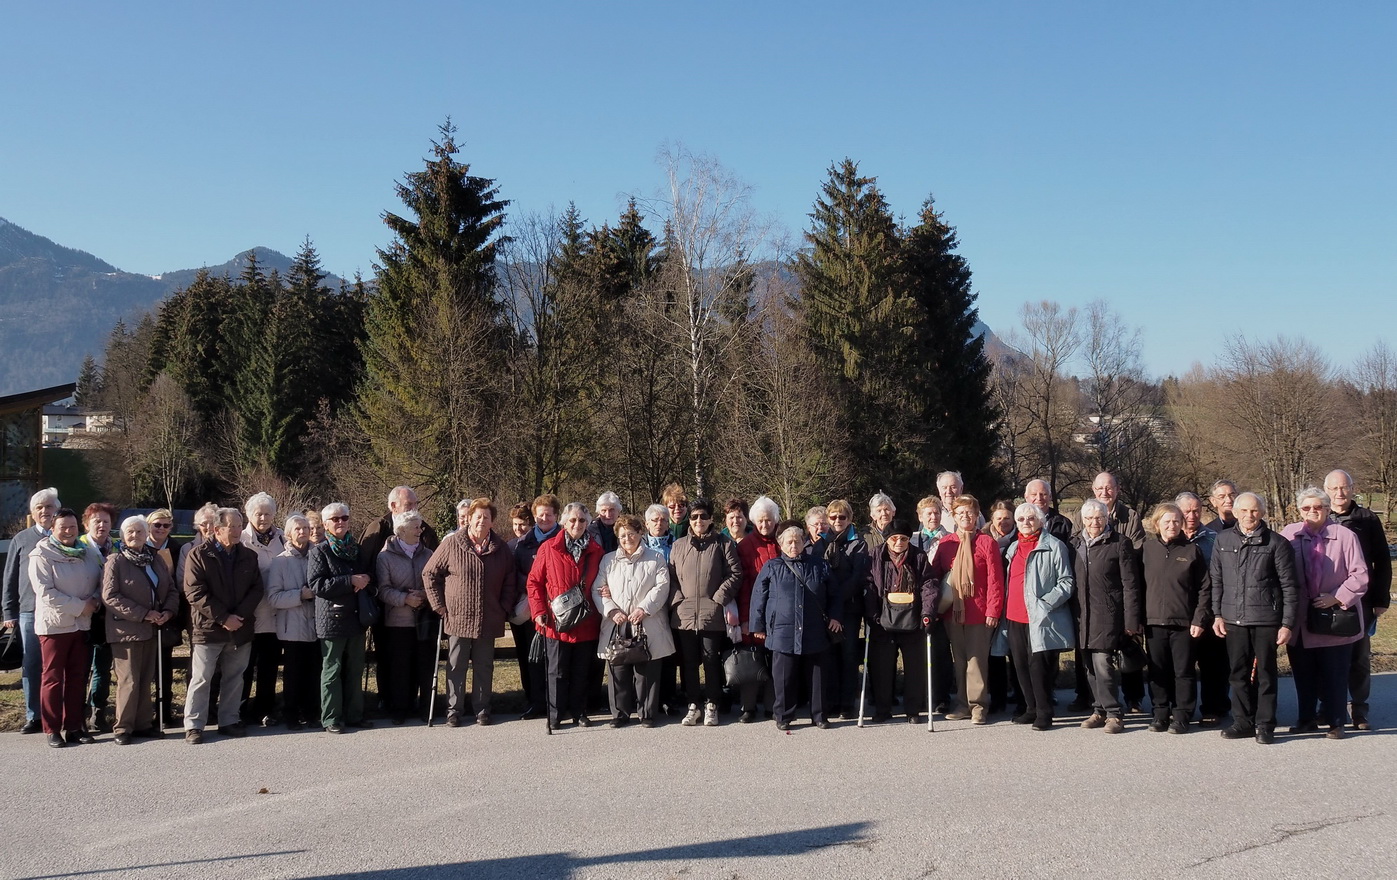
842	678
883	651
259	681
1173	682
1213	671
300	681
569	668
1253	702
406	665
943	668
1036	671
698	648
1321	676
790	674
531	675
1360	674
634	689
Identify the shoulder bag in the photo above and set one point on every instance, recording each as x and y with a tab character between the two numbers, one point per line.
627	648
571	608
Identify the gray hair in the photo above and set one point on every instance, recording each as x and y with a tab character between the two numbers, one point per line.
1260	502
1095	506
656	509
333	508
1180	498
261	499
1316	493
769	507
293	520
1046	485
135	519
463	504
228	516
817	512
400	490
960	481
879	499
405	519
44	496
208	512
790	528
1220	483
1348	477
610	498
1027	510
575	507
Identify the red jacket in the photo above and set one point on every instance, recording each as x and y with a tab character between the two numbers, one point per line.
553	574
988	600
754	551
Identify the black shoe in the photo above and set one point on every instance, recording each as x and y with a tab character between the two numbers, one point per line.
1024	718
32	726
914	719
236	731
361	724
1307	726
583	721
822	724
622	721
1335	732
75	737
122	739
268	720
400	719
1265	736
783	725
940	709
56	741
1360	722
483	718
747	717
1159	725
1042	723
647	722
334	728
881	718
453	720
1235	732
529	714
193	737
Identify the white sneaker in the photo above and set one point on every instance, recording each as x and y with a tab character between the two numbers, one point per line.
710	715
693	717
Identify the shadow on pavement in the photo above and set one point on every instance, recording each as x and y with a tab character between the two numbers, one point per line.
211	861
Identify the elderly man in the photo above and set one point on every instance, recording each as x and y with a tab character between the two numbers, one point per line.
1346	511
1256	597
603	527
19	598
1040	495
224	586
880	515
1124	519
1222	496
950	486
1210	650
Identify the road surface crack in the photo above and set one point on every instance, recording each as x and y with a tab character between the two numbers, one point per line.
1285	831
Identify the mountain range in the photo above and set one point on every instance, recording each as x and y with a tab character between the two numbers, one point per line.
58	304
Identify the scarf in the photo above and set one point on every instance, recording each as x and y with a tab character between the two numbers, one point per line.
577	545
409	550
264	538
346	548
901	576
77	551
963	572
142	557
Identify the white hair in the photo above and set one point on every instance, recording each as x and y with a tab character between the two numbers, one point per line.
225	517
764	505
1313	492
135	519
208	512
1180	498
576	507
333	508
294	520
610	498
405	519
790	528
1094	506
657	509
399	490
955	475
1027	510
880	499
44	496
1260	502
258	501
463	505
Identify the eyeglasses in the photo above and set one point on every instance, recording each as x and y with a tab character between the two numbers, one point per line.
338	518
837	516
160	525
700	516
1311	508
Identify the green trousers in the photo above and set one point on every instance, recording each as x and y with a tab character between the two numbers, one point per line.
342	681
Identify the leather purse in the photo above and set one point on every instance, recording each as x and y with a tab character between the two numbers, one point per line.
1335	620
901	613
744	665
626	646
571	608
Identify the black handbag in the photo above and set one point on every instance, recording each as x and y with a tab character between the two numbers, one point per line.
745	665
369	609
11	649
627	648
1133	656
571	608
1335	620
900	613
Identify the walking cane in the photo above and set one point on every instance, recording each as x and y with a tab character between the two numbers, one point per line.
436	672
159	680
930	707
863	688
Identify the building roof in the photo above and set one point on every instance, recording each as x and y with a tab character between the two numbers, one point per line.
14	403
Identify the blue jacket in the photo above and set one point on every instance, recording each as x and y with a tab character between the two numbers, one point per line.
794	612
1048	584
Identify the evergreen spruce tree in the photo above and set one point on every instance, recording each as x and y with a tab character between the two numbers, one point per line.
89	383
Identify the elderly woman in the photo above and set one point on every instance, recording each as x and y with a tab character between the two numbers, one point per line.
1109	607
263	538
847	555
161	523
1001	522
603	526
676	502
65	575
19	598
1178	604
658	529
755	551
892	606
336	577
795	608
288	590
471	582
568	559
1040	621
707	576
409	647
881	511
545	510
97	522
970	560
930	533
140	596
317	525
736	525
1334	574
632	589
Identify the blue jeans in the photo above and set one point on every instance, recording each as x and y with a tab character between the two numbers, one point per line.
32	667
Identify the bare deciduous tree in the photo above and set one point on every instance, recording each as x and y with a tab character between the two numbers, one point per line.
1375	377
1038	397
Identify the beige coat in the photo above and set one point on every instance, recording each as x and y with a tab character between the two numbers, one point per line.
130	596
62	585
640	581
286	577
266	614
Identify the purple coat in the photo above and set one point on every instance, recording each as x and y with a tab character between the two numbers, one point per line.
1330	561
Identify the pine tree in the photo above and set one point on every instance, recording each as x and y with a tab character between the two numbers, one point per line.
431	398
89	383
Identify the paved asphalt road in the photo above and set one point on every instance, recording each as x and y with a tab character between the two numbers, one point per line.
739	801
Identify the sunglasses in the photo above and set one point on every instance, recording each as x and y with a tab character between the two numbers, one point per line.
339	518
160	525
699	516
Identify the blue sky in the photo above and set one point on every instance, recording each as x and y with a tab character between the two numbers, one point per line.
1210	168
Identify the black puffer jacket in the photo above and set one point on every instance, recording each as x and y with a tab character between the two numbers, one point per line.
336	608
1108	585
1178	591
1253	578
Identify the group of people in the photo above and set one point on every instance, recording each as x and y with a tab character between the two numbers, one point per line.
691	609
